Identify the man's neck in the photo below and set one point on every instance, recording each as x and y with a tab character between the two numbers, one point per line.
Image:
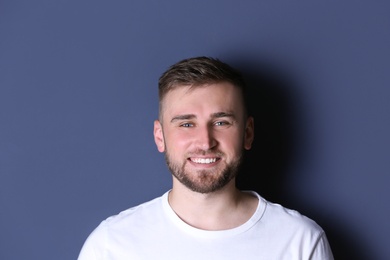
224	209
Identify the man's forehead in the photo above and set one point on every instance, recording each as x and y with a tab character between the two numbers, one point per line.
188	96
220	97
184	90
188	89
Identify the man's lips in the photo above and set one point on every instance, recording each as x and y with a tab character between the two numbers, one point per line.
204	160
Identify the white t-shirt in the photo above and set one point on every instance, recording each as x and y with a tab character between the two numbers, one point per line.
152	231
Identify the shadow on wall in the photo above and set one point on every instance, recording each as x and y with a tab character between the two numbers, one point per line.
274	105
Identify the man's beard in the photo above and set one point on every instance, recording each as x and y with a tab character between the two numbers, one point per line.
206	180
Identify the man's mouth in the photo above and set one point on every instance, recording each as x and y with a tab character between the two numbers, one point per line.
204	160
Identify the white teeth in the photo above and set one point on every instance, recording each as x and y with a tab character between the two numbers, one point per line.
204	160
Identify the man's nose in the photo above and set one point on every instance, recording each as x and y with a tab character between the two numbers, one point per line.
206	138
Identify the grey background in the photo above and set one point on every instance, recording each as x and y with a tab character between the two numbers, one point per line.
78	96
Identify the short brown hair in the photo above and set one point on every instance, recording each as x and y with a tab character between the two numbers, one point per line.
199	71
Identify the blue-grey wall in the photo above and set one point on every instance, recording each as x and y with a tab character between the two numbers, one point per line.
78	98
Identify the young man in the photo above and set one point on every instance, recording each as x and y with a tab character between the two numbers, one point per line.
203	129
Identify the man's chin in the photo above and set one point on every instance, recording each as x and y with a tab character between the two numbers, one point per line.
205	182
204	189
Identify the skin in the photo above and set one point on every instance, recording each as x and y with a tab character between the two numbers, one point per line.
203	132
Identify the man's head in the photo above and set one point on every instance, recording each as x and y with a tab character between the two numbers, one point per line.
203	127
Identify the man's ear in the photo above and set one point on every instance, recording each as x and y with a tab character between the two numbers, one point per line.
249	133
158	136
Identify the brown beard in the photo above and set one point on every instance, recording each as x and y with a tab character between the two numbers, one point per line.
204	181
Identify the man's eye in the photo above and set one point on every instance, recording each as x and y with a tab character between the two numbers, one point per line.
221	123
186	125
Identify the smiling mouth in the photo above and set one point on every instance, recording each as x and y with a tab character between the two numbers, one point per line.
204	160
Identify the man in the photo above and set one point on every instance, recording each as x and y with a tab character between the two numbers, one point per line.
203	129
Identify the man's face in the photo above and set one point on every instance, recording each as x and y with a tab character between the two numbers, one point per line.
203	132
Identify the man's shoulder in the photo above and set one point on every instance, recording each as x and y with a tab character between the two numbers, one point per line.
128	225
276	215
134	215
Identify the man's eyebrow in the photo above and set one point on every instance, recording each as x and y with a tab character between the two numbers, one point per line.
222	114
182	117
192	116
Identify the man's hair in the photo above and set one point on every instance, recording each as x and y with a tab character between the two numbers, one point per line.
199	71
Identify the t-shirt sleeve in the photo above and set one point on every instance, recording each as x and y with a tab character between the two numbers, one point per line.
94	247
322	249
